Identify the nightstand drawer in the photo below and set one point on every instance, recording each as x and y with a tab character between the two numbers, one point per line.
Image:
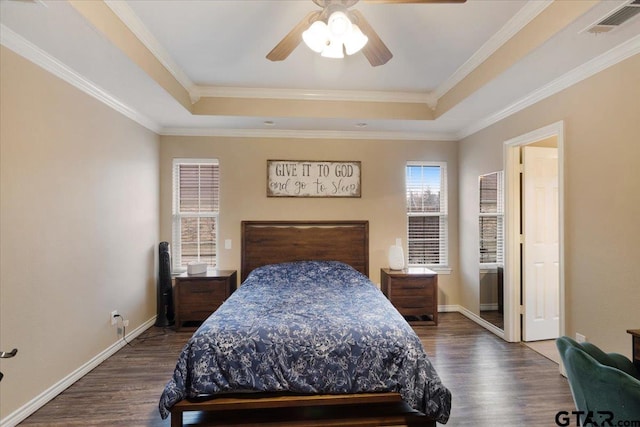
195	314
412	287
411	302
419	283
197	292
211	303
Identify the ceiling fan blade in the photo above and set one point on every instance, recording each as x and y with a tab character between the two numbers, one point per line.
293	39
376	52
415	1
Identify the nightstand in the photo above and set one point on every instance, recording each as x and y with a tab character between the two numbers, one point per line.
413	291
199	295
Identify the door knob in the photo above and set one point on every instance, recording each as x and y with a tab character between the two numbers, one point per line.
5	355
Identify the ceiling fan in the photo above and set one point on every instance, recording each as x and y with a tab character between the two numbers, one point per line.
324	31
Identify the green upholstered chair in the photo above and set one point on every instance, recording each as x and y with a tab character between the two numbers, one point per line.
603	385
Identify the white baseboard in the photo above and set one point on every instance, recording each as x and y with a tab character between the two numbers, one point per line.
43	398
453	308
489	307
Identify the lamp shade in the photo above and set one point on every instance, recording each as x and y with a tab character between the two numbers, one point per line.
355	41
335	37
339	25
316	36
396	258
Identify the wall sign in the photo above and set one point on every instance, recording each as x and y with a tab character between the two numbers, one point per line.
300	178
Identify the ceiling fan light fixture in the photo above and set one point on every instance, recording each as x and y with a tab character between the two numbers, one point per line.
316	37
355	41
339	25
333	50
331	38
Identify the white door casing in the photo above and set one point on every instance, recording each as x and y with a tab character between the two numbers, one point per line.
512	268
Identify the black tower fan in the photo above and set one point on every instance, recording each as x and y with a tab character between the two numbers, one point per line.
165	293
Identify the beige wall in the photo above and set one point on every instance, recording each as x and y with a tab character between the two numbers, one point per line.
79	200
601	200
243	165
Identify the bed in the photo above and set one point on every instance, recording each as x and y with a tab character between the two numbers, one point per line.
307	329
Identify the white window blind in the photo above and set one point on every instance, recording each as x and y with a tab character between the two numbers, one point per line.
196	205
491	220
426	194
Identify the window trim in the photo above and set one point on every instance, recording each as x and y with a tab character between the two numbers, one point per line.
176	216
443	267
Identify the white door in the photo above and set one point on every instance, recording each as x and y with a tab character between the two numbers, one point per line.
540	262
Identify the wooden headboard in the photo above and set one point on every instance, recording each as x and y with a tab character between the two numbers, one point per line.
271	242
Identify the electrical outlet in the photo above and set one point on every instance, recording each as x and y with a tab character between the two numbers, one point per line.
114	318
125	323
580	337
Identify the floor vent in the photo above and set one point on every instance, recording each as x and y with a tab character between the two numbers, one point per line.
617	18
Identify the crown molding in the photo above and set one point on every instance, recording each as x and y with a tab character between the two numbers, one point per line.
316	94
308	134
133	22
525	15
31	52
611	57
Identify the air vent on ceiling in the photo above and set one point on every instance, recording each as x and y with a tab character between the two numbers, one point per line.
617	18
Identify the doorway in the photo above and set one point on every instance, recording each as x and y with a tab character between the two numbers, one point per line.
530	299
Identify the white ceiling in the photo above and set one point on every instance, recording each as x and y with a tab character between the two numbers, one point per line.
218	47
224	43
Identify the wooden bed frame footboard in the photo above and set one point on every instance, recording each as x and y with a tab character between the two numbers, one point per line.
271	242
274	409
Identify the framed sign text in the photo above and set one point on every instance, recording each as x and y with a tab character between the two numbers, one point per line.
306	178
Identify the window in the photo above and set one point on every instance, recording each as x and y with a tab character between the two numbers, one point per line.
196	204
491	219
427	236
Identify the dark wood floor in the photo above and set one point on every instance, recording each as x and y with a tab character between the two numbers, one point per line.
493	383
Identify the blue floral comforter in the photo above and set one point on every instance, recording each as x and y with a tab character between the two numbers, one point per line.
307	327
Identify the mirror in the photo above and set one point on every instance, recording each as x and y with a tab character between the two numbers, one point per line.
491	247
